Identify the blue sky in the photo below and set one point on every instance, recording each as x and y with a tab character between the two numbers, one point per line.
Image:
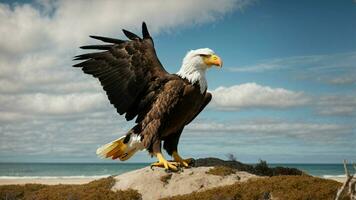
286	92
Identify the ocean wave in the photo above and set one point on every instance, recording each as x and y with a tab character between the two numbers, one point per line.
334	176
54	177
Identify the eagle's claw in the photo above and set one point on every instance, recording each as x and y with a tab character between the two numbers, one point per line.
183	162
162	162
169	166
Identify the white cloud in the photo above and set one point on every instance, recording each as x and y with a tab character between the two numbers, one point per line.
303	130
50	104
61	137
11	116
70	22
348	79
252	95
336	105
335	69
43	103
312	63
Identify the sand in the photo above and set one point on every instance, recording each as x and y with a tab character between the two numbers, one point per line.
46	181
338	179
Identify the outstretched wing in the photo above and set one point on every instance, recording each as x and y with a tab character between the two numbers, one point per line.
129	71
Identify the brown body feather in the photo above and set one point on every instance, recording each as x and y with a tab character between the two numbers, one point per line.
138	86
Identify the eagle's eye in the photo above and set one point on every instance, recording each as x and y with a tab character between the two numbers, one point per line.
205	55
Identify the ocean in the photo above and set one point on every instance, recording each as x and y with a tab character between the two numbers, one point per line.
98	170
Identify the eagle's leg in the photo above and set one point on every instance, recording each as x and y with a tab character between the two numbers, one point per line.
183	162
162	162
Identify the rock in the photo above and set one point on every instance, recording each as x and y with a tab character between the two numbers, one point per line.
157	183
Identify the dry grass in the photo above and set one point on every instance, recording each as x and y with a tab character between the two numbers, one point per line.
221	171
279	187
99	189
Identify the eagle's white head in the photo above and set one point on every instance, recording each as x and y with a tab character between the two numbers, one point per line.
195	64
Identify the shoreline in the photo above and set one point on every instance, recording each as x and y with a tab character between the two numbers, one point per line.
47	181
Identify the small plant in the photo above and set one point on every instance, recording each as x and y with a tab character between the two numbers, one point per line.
262	169
231	157
221	171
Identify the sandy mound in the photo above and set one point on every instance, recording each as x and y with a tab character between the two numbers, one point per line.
156	183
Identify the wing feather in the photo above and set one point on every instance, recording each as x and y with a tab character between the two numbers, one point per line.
130	35
127	70
98	47
108	40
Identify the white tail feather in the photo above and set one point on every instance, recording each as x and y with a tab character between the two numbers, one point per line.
118	149
106	148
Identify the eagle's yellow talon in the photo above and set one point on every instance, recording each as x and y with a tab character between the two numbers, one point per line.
183	162
162	162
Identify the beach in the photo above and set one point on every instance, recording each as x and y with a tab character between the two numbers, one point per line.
52	181
337	178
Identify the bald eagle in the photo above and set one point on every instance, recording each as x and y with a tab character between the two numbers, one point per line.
138	86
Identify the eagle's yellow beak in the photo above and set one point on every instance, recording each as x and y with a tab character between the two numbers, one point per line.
213	60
